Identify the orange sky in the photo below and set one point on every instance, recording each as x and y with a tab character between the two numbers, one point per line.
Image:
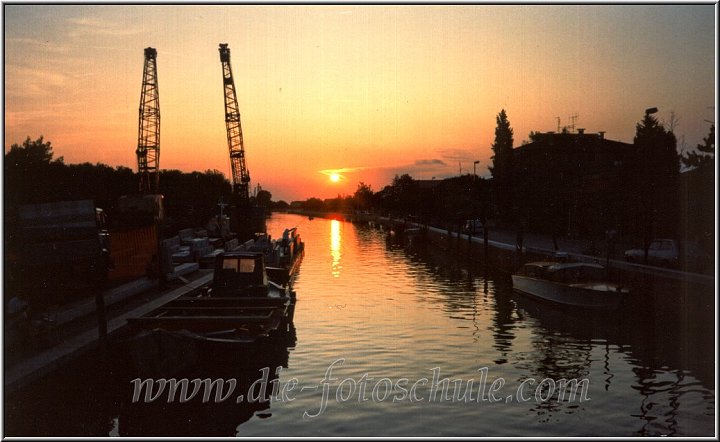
368	90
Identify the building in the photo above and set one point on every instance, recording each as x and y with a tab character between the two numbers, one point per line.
571	183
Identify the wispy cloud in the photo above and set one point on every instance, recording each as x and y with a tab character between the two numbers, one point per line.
24	40
17	118
422	163
92	25
433	162
454	154
419	169
23	81
344	170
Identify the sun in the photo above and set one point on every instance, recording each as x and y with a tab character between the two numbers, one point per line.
334	177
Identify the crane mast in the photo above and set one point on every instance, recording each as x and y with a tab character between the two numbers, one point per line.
148	150
240	173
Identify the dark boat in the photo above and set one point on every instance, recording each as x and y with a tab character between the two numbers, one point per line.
282	256
240	306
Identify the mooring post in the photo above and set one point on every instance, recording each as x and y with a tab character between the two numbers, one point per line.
485	241
101	315
162	281
519	245
610	236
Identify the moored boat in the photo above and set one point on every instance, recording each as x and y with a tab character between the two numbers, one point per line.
282	256
241	305
573	284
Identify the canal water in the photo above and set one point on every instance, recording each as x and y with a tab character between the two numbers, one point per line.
399	339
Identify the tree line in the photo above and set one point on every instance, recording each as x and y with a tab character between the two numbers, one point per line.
648	201
33	175
446	202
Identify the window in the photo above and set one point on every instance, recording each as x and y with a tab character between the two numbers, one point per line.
241	265
246	265
230	264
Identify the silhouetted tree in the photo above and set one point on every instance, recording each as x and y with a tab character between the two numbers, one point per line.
707	149
263	198
29	172
502	168
314	204
190	199
31	155
339	204
535	136
460	198
402	198
279	205
362	199
657	170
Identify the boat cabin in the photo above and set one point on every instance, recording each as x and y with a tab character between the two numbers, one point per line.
566	273
240	274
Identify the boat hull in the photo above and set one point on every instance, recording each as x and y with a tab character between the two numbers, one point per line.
592	296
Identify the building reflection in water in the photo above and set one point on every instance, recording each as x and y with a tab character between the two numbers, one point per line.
335	245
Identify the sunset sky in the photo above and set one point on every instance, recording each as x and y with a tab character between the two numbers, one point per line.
364	92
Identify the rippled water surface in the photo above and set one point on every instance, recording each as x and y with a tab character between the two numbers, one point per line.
388	317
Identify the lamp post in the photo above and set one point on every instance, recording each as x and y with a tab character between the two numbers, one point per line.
474	166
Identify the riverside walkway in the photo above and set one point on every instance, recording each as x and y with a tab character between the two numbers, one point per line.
576	250
75	326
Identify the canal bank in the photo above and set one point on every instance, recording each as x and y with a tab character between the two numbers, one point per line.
73	329
503	249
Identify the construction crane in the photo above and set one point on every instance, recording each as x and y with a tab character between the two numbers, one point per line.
240	173
148	150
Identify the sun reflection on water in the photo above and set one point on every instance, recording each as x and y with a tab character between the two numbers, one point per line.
335	243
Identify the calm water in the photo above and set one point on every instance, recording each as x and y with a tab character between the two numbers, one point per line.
388	318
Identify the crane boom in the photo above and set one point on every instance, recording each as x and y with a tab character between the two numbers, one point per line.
148	150
240	172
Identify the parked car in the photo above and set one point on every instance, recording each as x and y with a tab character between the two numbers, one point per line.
473	227
685	255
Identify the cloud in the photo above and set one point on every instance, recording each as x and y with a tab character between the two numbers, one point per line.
27	82
83	26
454	154
417	163
419	169
342	170
24	40
433	162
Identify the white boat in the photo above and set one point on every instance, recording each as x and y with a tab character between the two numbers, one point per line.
574	284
